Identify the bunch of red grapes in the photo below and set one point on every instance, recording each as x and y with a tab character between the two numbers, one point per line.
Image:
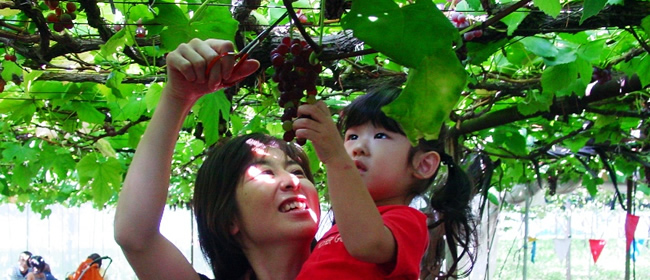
61	18
459	20
601	75
140	31
295	76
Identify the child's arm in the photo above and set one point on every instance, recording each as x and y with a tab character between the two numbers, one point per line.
362	229
144	193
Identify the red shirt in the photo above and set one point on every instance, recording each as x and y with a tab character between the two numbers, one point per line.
330	259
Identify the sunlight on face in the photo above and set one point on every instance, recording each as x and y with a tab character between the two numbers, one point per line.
257	147
258	174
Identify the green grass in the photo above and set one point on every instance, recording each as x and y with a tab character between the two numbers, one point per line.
547	266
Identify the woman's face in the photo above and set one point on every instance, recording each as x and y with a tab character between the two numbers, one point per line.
276	201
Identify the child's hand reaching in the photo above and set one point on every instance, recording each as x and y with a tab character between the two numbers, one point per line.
186	67
321	130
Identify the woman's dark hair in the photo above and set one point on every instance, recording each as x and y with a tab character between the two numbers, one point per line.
37	262
214	203
449	207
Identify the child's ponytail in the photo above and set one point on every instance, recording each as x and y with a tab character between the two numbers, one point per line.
451	222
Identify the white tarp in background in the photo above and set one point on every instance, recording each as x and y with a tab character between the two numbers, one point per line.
69	235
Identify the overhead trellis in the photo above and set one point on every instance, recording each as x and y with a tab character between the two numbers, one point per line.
533	96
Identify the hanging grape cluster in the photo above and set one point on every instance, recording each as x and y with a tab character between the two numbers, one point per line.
295	75
601	75
61	18
459	20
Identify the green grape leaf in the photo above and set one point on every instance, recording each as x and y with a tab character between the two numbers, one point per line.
517	54
114	81
152	96
135	133
9	69
478	53
540	46
105	148
386	27
493	198
549	7
17	109
513	20
22	175
104	175
575	144
209	22
591	8
643	70
89	114
564	55
30	78
555	78
130	109
474	4
535	102
642	188
9	12
117	41
516	144
58	159
591	183
591	51
645	24
18	153
212	106
429	96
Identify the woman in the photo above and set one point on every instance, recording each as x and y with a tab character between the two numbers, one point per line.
256	206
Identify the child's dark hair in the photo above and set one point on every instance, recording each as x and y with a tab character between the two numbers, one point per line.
214	202
37	262
449	205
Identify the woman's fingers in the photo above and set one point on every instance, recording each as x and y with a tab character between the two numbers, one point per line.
222	68
183	60
246	68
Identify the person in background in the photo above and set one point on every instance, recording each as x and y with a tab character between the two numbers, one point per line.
88	269
37	264
373	174
48	272
20	271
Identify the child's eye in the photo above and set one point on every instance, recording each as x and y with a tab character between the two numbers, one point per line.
381	135
351	137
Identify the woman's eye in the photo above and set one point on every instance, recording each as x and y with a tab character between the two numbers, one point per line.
267	172
298	172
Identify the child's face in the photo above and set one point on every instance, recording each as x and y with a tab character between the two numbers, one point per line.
276	201
382	159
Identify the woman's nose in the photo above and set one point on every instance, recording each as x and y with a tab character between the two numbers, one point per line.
289	181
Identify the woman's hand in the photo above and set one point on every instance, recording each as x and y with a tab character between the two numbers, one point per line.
186	67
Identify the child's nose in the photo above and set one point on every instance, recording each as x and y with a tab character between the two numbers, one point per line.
359	148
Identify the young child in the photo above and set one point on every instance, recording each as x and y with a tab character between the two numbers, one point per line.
373	175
